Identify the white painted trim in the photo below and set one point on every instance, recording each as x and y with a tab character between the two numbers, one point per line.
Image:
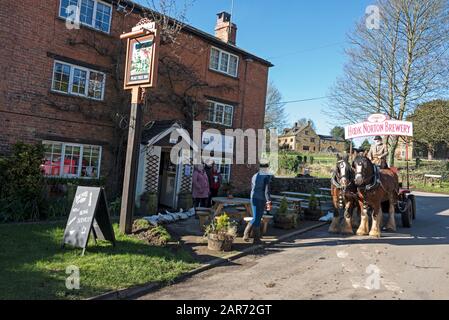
94	15
80	164
224	109
86	89
220	52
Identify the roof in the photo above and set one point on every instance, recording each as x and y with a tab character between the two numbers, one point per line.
330	138
294	131
206	36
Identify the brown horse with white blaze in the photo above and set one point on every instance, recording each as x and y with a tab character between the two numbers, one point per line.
375	186
344	196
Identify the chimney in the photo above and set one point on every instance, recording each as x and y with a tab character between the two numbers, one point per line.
225	30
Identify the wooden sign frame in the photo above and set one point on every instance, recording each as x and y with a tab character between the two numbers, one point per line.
91	213
148	79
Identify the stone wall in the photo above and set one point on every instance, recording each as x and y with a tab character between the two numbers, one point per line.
303	185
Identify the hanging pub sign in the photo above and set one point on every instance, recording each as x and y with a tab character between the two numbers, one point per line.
141	55
379	125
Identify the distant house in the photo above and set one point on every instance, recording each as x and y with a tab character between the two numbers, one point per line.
303	138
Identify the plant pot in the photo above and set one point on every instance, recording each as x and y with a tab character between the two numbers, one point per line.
219	243
312	214
285	221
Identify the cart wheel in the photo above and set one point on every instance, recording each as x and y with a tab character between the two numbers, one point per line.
407	214
413	199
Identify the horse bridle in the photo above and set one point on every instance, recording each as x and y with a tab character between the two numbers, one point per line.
336	182
376	180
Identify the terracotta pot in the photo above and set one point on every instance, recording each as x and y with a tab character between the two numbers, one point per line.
216	243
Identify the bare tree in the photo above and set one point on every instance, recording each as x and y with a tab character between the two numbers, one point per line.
394	68
169	15
275	116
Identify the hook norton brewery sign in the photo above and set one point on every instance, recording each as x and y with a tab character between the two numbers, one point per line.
379	125
142	55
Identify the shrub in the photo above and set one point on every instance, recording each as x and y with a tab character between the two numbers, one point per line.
22	188
313	202
283	207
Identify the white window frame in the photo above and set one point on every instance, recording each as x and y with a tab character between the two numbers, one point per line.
80	164
86	89
94	15
220	54
215	103
220	162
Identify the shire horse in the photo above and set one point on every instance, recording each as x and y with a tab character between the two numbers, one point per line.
344	195
375	186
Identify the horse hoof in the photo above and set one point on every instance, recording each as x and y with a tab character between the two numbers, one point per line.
374	234
362	233
334	231
347	232
390	229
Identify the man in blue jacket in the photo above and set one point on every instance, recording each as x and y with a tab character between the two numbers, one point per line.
260	199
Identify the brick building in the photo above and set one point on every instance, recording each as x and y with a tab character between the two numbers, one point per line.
62	87
303	138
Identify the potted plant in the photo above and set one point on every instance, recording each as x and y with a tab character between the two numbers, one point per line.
221	233
284	219
313	212
228	189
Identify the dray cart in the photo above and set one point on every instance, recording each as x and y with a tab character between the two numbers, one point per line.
381	125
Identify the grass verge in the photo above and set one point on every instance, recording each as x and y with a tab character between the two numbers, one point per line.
33	265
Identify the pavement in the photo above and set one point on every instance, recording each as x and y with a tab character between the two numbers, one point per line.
409	264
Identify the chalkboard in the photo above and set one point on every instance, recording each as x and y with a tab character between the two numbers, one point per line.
89	213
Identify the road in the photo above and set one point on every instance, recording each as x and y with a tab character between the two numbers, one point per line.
409	264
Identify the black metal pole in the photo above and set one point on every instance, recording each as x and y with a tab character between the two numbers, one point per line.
132	161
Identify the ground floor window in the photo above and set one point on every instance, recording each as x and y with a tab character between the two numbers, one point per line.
71	160
224	167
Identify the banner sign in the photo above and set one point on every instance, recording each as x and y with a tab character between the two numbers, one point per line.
379	125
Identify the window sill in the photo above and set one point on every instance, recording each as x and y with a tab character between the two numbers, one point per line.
224	74
87	27
71	95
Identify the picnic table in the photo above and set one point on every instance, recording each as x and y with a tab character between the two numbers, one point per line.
221	202
432	178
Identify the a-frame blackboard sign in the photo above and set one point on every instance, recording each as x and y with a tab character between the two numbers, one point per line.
89	213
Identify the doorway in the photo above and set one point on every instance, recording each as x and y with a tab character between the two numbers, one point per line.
168	181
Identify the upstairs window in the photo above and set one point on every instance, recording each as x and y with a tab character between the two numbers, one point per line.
92	13
76	80
220	113
224	62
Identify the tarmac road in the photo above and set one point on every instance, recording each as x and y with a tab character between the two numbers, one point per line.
409	264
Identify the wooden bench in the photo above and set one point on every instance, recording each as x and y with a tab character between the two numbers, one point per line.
264	223
432	178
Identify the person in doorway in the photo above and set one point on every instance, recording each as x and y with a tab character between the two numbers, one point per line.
215	181
200	187
260	199
378	153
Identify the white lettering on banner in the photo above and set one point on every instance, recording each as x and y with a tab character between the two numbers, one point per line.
387	128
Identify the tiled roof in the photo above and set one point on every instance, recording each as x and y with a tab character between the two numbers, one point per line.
207	36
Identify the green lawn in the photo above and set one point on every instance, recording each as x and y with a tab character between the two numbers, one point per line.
33	265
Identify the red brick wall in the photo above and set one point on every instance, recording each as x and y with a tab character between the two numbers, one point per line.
30	112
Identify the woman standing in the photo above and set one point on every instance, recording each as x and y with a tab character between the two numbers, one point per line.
260	199
215	181
200	186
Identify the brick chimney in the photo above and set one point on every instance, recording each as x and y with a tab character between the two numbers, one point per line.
225	30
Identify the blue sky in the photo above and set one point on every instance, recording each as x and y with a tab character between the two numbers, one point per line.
304	39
